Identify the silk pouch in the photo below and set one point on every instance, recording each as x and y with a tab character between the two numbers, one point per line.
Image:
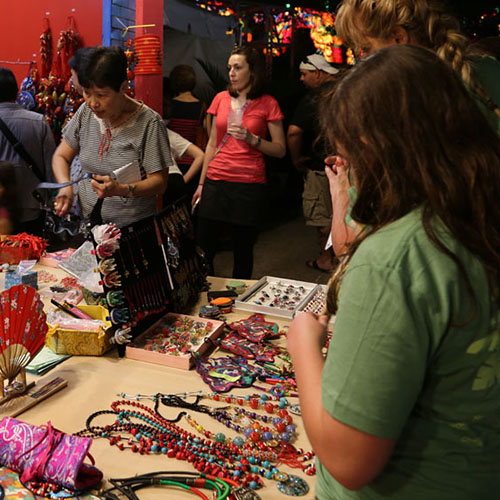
44	453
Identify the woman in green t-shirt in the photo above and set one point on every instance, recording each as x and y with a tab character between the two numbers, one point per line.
406	403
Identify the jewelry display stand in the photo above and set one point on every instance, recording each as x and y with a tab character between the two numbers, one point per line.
154	268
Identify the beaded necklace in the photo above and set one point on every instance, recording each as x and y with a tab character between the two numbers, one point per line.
150	433
256	435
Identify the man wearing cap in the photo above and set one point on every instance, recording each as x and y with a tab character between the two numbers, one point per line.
307	155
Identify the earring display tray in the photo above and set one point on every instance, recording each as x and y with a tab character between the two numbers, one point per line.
276	296
175	340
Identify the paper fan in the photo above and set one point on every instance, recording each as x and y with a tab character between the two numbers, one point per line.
23	327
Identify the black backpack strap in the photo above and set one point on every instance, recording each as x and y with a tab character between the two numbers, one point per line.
19	149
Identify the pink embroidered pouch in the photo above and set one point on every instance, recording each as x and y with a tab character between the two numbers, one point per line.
44	453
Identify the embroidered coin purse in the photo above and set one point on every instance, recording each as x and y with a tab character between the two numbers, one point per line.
44	453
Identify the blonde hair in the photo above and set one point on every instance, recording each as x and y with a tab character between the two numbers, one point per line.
426	21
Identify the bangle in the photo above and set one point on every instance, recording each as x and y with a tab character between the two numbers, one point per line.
259	140
200	184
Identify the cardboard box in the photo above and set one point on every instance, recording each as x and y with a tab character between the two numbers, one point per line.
149	346
29	278
82	343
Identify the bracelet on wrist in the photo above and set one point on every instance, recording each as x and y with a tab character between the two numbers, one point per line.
259	140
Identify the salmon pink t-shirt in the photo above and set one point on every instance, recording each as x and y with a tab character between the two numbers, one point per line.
237	161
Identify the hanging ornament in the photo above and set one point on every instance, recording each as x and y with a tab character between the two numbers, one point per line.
45	50
148	55
67	45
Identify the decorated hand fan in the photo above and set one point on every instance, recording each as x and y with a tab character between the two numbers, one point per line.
23	328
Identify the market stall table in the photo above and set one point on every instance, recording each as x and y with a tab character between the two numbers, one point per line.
95	382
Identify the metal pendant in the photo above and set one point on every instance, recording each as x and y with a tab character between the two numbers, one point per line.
291	485
242	493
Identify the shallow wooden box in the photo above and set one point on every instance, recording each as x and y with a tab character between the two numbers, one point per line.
136	349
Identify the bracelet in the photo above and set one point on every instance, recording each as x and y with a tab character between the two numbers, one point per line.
259	140
200	184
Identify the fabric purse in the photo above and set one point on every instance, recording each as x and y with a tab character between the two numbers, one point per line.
44	453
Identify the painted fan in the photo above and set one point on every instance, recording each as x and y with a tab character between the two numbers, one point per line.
23	327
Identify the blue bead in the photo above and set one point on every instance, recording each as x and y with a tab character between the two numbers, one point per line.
248	432
238	441
282	404
247	397
138	435
236	473
164	450
255	469
290	428
267	436
266	464
264	397
253	485
251	460
154	448
269	474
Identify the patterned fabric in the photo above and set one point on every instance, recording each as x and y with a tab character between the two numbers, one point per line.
45	453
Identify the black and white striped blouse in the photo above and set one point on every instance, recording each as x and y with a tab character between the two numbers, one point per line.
143	138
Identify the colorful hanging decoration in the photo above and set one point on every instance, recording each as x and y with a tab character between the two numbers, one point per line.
148	59
67	44
45	62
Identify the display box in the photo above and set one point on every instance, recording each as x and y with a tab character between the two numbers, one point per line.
279	297
81	342
29	278
316	302
175	340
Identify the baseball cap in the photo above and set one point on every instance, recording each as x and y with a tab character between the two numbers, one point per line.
315	62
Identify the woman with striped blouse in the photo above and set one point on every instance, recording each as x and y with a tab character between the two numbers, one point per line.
110	131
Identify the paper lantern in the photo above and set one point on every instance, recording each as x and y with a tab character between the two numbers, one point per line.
147	55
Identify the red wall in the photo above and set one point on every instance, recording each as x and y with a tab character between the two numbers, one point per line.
22	25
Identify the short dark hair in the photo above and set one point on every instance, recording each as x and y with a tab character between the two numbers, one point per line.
258	81
78	60
182	79
8	86
105	67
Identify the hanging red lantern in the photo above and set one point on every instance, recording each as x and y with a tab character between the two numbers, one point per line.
147	55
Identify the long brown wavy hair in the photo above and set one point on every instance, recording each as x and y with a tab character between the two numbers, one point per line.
414	137
427	21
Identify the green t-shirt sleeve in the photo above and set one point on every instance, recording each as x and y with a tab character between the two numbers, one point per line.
377	359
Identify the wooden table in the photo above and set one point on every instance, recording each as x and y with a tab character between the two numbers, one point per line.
95	382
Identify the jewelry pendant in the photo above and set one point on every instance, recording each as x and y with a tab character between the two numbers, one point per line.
173	253
291	485
242	493
295	409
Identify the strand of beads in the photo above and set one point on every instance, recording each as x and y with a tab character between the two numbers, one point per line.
159	436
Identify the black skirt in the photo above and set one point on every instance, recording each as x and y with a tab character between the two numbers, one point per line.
233	202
